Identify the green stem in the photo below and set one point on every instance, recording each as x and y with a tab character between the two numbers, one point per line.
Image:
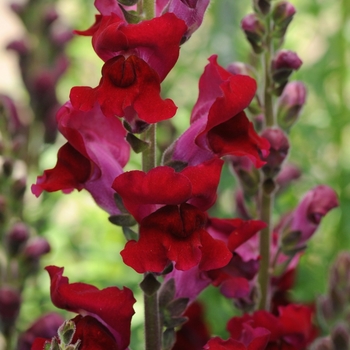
265	241
152	321
149	8
152	324
266	199
268	106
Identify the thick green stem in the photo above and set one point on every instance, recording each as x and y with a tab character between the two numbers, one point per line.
266	202
152	326
149	9
266	197
152	322
268	106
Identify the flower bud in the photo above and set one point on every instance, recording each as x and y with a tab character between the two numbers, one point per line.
324	343
50	15
341	337
254	30
283	64
10	303
307	216
279	146
3	207
240	68
248	175
290	104
241	206
17	237
262	6
20	46
44	327
19	187
282	15
288	173
36	248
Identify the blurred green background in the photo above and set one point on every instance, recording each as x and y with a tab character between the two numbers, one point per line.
88	246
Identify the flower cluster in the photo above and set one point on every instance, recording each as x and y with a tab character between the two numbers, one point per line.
179	246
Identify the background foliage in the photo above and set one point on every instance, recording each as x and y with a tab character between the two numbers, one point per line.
85	242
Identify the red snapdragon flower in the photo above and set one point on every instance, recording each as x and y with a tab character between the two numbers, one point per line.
170	208
156	41
253	339
94	155
104	315
285	332
235	278
218	124
128	88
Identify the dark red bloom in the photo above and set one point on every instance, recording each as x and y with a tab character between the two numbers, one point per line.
291	330
254	339
128	88
144	193
218	124
175	233
111	307
157	41
170	208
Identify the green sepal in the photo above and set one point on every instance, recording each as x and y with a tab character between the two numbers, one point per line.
128	2
169	338
177	165
124	220
131	17
167	293
136	144
130	234
66	332
177	306
150	284
54	344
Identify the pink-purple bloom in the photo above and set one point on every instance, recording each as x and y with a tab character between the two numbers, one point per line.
94	155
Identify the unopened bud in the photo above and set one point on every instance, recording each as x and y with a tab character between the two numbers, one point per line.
282	15
283	64
10	303
248	175
50	15
262	6
240	68
312	208
17	237
36	248
19	187
288	174
279	146
44	327
7	167
341	337
20	46
254	30
241	206
3	206
290	104
324	343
